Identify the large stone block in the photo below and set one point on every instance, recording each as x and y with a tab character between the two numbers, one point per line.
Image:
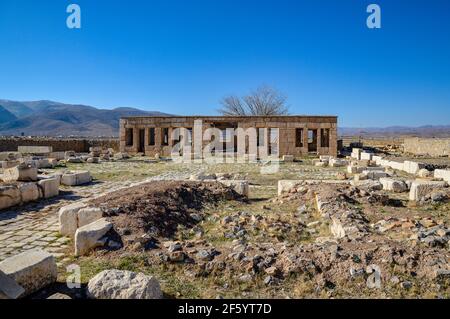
442	174
374	174
284	186
239	186
288	158
76	178
377	159
335	162
396	165
88	215
120	284
9	289
356	153
47	163
49	187
9	196
390	184
420	189
366	156
33	269
68	219
411	167
22	172
28	192
91	236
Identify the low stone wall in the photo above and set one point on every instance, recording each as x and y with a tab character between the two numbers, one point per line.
427	146
11	144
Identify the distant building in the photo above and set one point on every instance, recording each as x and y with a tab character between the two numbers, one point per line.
290	135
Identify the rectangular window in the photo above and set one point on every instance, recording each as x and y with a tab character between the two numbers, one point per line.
298	137
165	136
151	136
129	137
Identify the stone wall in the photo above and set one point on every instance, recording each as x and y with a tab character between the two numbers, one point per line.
10	144
427	146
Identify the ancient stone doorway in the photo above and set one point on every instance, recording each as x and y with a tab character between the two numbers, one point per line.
141	142
312	140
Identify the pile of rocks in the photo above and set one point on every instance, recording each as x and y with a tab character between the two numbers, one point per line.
346	220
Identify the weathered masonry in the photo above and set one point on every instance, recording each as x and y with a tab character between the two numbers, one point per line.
297	135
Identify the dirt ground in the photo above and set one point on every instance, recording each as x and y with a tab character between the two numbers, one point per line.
202	241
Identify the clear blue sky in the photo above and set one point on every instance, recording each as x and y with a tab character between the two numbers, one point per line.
182	56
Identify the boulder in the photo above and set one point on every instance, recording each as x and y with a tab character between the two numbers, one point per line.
33	270
9	196
28	192
240	187
91	236
420	189
68	219
119	284
49	187
76	178
23	172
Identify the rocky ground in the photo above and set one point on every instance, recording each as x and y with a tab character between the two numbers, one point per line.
205	241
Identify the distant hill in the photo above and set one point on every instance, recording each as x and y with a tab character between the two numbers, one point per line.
396	131
6	116
48	118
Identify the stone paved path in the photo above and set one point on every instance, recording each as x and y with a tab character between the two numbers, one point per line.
35	225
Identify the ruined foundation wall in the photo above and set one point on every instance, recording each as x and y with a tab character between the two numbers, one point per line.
427	146
10	144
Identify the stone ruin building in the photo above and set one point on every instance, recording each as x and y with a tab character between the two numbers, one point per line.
296	135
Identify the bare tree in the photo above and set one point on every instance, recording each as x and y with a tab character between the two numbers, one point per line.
232	105
264	100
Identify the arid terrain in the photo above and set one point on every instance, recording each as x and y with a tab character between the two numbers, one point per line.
324	236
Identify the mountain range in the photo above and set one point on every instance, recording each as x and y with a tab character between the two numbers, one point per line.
49	118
